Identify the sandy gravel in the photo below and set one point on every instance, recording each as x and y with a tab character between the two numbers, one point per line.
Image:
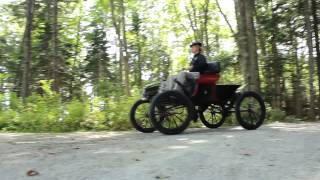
275	151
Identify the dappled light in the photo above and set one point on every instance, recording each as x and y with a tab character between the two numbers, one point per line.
238	128
228	136
178	147
197	141
292	127
113	151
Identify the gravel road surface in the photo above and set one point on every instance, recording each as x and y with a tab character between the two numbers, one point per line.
276	151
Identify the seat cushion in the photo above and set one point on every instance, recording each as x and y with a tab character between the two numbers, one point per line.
212	68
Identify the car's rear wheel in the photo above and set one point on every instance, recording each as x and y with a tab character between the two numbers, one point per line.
213	116
250	110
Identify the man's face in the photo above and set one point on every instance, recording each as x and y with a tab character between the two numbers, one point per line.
195	49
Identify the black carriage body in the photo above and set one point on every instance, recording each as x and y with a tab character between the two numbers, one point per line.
150	91
214	94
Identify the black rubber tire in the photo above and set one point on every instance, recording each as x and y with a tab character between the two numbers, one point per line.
134	120
157	103
260	118
213	125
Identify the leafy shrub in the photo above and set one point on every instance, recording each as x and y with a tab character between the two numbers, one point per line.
39	114
94	121
6	117
47	113
76	113
117	113
275	115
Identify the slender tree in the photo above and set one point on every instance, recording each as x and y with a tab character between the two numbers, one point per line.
27	49
311	58
317	40
125	49
54	41
116	25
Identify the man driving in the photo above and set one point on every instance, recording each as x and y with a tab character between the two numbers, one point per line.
199	61
197	66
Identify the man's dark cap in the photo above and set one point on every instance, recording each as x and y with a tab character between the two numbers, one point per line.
196	43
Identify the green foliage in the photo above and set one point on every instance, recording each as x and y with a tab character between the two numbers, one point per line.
117	113
75	114
6	117
49	114
276	115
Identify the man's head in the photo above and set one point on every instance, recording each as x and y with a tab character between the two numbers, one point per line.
196	47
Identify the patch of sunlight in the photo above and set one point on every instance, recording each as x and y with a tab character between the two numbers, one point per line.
108	151
197	141
10	134
61	136
228	136
290	127
237	128
90	135
183	139
27	142
22	154
96	136
178	147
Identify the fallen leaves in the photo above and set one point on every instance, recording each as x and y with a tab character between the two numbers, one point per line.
32	173
162	177
246	154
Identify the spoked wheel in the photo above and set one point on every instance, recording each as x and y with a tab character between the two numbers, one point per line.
250	110
213	116
139	117
171	112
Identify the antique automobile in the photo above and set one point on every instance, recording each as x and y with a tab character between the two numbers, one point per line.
171	111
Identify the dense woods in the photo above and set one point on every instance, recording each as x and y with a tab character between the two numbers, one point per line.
70	65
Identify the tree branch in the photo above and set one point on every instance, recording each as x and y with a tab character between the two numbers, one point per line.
225	18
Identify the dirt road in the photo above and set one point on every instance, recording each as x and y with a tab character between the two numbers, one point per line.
275	151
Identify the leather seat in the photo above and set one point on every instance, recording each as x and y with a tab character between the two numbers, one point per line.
212	68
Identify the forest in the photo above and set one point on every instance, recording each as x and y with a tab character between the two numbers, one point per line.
80	64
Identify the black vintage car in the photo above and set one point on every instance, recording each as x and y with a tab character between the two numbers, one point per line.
171	111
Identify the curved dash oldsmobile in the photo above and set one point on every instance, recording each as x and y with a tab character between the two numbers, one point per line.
171	111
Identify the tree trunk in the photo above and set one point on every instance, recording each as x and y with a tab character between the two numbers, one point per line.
264	58
116	25
311	59
139	61
276	64
254	80
276	67
55	56
247	43
125	50
205	24
74	69
317	41
27	49
297	79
